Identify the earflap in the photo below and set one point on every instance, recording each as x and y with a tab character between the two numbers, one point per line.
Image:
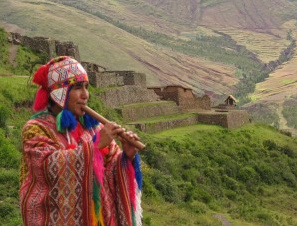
41	99
42	94
40	76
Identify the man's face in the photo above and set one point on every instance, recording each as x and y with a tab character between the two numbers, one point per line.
77	97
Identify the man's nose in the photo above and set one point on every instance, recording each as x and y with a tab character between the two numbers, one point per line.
85	93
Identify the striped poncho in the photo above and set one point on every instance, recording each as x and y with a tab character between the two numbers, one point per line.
62	184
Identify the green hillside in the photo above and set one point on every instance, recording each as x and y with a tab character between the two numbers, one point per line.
192	175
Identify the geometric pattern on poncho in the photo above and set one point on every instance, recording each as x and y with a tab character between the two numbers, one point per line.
65	198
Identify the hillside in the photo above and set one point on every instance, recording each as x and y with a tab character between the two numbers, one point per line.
116	49
172	43
192	175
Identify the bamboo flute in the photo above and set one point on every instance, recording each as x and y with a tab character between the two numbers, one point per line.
103	120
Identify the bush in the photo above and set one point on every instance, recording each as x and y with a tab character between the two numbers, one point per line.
270	145
167	187
4	114
9	156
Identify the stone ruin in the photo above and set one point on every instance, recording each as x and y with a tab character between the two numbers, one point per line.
127	87
121	87
183	97
50	46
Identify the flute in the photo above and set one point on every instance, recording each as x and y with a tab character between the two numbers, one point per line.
103	120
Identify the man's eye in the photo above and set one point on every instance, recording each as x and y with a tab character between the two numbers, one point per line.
77	86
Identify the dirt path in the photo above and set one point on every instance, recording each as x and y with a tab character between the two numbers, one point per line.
223	219
13	49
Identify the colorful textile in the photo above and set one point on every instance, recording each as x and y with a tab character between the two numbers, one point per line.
59	185
55	78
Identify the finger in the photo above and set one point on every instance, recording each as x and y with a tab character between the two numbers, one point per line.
132	135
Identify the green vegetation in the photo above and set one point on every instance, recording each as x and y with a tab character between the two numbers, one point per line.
25	62
190	173
264	114
290	112
209	169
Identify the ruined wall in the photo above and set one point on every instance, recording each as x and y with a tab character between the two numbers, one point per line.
228	119
167	93
132	78
134	112
166	125
183	97
67	49
237	118
91	67
105	79
50	46
204	102
118	96
214	119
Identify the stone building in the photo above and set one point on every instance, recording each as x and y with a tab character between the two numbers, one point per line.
183	97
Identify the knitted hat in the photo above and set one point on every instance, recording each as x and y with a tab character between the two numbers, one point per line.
55	78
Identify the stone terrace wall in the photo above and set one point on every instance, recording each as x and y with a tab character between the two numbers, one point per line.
50	46
132	78
167	93
214	119
105	79
237	118
165	125
228	119
116	97
140	111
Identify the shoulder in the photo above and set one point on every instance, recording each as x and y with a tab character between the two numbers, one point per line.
39	124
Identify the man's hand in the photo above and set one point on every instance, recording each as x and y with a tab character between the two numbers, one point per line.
129	149
108	133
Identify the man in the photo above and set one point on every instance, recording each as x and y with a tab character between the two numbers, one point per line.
72	170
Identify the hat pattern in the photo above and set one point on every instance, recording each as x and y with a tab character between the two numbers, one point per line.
61	76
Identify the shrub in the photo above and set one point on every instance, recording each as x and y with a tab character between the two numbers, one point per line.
167	187
4	113
270	144
9	156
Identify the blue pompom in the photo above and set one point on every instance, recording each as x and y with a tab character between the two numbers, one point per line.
138	174
68	120
90	122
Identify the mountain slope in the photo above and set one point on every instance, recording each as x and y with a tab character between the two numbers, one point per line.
116	49
165	39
